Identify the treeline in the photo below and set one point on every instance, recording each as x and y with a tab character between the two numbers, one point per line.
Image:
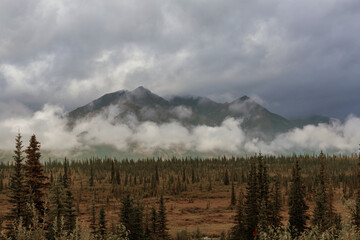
111	199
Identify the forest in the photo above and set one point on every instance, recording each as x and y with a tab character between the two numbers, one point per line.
310	196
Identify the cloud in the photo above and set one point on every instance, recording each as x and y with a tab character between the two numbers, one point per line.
182	112
67	53
147	137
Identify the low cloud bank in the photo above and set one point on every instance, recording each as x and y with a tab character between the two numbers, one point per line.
53	132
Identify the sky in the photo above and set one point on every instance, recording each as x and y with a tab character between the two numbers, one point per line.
296	58
299	57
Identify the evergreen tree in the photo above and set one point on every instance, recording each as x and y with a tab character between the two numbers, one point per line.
93	217
264	196
233	197
69	211
112	176
297	204
131	218
239	231
57	201
136	223
66	178
251	202
154	223
102	223
356	213
320	213
91	180
34	175
118	178
125	211
17	192
162	221
276	206
226	178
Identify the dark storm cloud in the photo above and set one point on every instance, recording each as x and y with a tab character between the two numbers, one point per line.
301	57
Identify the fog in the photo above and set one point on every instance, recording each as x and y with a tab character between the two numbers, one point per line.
52	130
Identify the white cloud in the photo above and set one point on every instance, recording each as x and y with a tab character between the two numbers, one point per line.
52	131
182	112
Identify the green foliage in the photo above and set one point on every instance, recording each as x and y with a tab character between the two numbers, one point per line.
162	221
34	175
297	205
239	231
251	202
17	190
102	223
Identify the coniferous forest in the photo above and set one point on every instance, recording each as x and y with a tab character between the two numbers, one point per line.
253	197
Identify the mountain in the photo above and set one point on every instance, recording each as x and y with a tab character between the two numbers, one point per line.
190	111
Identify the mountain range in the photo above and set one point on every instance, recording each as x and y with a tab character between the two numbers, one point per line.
143	105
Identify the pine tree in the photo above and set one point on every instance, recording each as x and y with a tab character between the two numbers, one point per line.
162	221
102	223
57	201
239	231
118	178
154	224
34	175
233	197
297	204
356	213
112	176
125	211
264	195
276	206
320	213
131	218
226	178
251	202
93	217
69	211
91	180
66	179
17	191
136	223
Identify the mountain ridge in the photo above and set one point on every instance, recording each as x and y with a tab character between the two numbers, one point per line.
257	121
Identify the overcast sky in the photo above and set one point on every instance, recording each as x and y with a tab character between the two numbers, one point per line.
299	57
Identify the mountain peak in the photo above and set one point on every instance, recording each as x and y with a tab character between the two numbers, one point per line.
244	98
140	90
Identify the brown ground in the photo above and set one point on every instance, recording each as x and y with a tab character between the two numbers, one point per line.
208	211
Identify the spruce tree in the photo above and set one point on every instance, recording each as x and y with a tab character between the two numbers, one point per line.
112	176
69	211
297	205
162	221
102	223
233	197
17	192
320	213
251	202
356	213
91	180
226	178
276	206
136	223
264	196
125	211
37	182
66	178
57	201
239	231
154	223
93	218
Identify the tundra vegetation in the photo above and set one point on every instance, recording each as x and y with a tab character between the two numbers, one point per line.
252	197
